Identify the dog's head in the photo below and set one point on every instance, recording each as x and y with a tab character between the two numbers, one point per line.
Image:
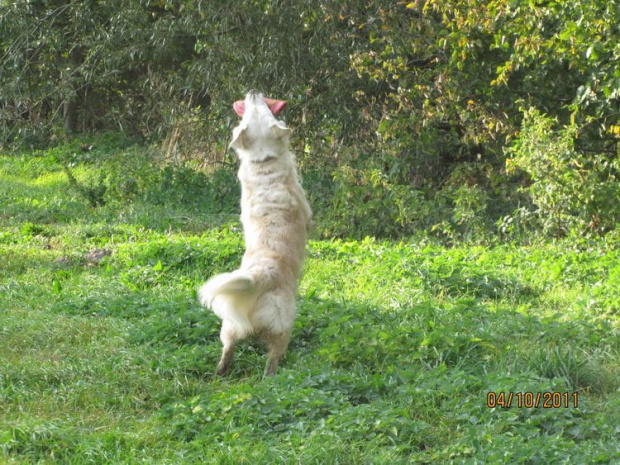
259	136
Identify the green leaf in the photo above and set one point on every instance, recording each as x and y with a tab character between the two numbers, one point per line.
56	286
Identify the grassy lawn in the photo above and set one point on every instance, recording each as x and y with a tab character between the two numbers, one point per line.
397	351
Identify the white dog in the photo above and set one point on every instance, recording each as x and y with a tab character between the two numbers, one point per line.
259	298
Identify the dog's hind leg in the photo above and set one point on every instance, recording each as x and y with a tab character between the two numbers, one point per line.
229	338
277	344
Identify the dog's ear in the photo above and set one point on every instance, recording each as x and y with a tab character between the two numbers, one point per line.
240	138
276	106
280	130
239	107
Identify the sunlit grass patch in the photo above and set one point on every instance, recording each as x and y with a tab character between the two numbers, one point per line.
395	348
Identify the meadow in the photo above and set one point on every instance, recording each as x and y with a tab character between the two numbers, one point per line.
403	352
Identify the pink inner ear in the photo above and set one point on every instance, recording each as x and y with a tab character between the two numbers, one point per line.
239	107
276	106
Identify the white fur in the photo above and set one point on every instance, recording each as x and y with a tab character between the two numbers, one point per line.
259	297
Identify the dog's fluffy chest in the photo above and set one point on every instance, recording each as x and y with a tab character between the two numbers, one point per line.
274	212
268	188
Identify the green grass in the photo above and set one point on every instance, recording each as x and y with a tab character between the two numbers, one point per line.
394	351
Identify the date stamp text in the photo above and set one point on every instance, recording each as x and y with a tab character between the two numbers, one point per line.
529	399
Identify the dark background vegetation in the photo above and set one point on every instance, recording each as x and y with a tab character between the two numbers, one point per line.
478	120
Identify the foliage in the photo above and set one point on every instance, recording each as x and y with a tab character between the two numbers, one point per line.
418	99
110	168
366	202
571	190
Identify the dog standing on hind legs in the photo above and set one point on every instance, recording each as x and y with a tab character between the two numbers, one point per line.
258	299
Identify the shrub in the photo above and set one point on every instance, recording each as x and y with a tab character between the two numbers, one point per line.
573	191
366	202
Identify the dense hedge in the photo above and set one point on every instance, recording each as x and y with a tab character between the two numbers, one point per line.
408	115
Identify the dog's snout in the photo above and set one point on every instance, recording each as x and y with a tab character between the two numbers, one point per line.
253	94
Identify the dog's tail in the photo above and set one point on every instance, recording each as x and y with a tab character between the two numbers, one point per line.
235	284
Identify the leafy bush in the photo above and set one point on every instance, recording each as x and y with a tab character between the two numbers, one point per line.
366	202
573	192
